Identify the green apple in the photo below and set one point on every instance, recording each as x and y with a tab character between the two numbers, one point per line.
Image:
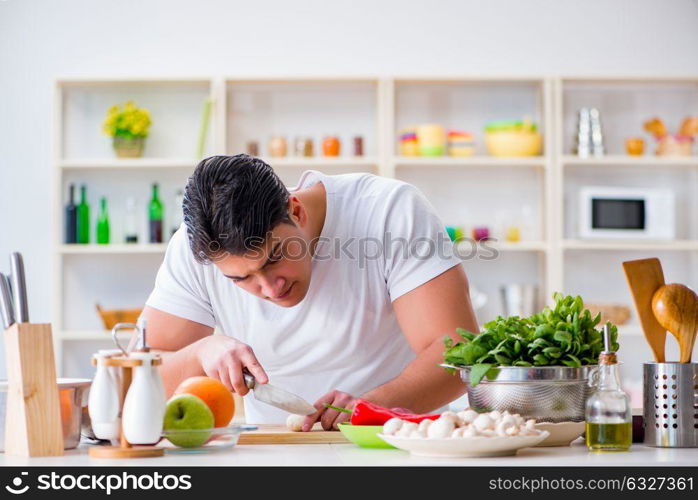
186	412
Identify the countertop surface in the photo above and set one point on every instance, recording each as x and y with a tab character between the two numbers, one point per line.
351	455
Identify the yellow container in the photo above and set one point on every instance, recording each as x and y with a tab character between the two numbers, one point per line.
431	139
509	143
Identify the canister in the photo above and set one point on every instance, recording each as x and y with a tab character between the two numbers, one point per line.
460	144
431	139
670	404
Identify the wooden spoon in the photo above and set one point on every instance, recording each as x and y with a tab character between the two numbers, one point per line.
645	277
676	308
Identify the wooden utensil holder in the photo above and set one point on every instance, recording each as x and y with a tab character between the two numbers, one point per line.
33	425
125	449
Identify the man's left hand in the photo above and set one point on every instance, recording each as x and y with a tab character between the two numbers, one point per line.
330	418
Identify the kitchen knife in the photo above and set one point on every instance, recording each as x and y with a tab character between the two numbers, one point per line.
279	398
19	288
6	308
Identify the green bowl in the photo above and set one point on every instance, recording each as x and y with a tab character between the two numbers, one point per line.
365	436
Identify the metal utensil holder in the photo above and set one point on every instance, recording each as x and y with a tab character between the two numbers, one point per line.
671	404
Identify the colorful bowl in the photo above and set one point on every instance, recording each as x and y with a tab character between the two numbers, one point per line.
365	436
513	143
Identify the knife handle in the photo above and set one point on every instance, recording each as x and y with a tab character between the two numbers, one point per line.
6	306
19	288
250	381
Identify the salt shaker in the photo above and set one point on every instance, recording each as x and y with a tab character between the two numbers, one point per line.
103	403
144	407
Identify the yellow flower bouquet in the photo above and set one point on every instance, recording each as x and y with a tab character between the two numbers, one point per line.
128	125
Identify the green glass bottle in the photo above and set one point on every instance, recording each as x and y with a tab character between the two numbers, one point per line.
103	223
155	216
83	217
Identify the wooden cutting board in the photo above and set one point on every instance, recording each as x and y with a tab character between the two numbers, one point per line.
279	434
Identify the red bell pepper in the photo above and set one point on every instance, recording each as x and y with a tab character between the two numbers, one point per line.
367	413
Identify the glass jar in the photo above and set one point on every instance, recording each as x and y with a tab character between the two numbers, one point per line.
304	147
278	147
358	145
253	148
635	146
608	413
331	146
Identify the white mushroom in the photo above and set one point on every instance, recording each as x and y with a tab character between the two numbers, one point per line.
512	431
392	426
489	433
424	424
417	434
458	432
529	429
483	422
504	425
470	431
450	415
295	423
406	429
441	428
467	416
495	415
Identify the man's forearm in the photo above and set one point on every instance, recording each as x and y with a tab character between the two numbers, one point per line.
423	386
179	365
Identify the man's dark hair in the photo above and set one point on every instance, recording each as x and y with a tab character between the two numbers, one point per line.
230	205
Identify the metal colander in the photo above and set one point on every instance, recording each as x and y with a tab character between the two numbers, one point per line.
545	393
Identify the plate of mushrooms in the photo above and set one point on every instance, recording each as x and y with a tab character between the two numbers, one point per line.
464	434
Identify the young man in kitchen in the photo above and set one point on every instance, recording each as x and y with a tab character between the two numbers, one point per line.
341	288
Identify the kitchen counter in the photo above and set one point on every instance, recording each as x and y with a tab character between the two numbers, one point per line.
351	455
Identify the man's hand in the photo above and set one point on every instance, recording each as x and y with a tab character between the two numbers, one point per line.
330	418
223	358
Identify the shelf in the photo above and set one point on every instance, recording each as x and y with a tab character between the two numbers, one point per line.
84	335
632	245
506	246
322	162
472	161
631	161
130	163
112	249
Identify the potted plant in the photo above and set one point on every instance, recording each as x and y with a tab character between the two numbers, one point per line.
128	126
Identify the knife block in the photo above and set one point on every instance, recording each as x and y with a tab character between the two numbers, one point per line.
33	425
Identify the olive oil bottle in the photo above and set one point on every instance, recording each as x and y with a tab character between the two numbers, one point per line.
608	412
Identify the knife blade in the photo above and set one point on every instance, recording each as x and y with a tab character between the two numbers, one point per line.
19	288
6	308
278	398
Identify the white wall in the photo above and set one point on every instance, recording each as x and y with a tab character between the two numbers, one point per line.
43	39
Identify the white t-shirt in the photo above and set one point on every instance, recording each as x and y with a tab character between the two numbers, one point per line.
344	334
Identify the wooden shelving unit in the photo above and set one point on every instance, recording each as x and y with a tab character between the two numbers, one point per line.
246	109
592	268
126	164
113	248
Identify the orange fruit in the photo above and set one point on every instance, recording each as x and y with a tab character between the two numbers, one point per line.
218	398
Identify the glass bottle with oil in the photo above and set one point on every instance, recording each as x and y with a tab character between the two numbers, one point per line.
608	412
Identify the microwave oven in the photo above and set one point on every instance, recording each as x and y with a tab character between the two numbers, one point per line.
614	212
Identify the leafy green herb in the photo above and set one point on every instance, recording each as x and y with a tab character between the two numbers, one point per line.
564	335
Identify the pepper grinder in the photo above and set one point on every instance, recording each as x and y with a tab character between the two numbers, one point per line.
608	412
